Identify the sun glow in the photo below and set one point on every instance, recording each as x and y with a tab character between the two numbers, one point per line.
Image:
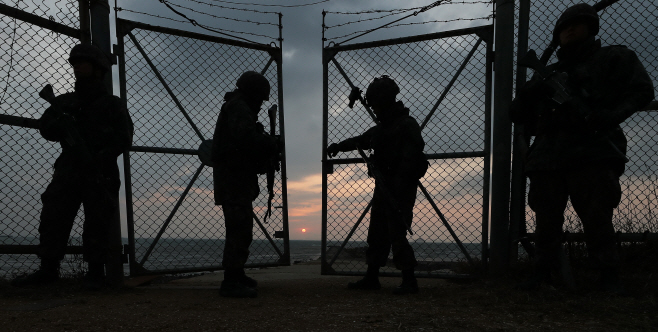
303	230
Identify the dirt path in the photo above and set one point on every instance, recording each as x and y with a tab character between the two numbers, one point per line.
323	304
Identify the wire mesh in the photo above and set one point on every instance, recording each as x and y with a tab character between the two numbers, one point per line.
635	25
423	69
31	58
66	12
199	73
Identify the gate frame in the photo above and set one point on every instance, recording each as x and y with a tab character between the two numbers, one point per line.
123	29
486	34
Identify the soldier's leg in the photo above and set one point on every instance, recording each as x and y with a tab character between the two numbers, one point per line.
61	202
595	193
403	253
239	226
60	206
378	246
101	209
547	197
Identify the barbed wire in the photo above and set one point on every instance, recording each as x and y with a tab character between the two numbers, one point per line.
209	28
265	5
404	10
233	8
11	59
327	27
415	23
224	18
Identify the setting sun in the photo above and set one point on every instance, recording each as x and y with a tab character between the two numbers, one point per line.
303	230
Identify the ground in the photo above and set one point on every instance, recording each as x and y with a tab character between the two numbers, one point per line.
324	304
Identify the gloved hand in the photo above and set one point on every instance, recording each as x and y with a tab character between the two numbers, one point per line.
536	88
332	150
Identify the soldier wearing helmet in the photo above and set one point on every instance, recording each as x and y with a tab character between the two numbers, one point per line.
93	128
241	150
579	149
398	155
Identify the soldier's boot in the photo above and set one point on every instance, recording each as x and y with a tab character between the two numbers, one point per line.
369	282
247	281
95	277
609	282
409	283
47	273
233	287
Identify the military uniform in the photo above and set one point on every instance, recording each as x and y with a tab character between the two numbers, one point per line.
398	148
579	148
92	180
240	152
399	159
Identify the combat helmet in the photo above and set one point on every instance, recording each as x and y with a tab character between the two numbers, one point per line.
90	53
581	12
254	84
382	89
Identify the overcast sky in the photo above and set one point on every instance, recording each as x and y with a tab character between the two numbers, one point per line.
302	66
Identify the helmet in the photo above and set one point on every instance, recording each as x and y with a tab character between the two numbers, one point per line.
89	53
254	84
581	12
382	89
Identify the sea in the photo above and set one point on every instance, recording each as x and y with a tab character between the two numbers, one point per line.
196	254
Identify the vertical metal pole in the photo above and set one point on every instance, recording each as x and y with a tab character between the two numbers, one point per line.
487	151
282	132
127	173
85	33
501	143
517	204
100	36
325	127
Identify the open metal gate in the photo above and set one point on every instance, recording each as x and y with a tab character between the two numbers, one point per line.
174	83
445	79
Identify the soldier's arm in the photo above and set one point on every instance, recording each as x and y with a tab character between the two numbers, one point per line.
632	87
412	147
246	132
523	109
123	131
362	141
49	126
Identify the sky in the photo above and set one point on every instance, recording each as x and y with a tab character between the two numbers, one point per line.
302	69
302	92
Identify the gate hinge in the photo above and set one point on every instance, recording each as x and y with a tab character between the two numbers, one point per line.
279	235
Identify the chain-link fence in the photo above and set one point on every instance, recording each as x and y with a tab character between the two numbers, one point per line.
445	82
635	25
36	38
175	83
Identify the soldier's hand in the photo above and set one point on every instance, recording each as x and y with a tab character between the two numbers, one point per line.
332	150
536	88
259	127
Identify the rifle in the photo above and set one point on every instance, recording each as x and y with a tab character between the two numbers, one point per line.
273	167
75	140
381	185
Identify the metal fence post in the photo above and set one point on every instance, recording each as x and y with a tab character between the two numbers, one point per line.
100	36
517	204
501	147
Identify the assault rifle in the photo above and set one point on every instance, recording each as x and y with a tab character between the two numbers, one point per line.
381	185
273	166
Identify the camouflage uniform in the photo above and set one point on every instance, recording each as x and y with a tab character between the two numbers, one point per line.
579	148
240	152
398	151
106	128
